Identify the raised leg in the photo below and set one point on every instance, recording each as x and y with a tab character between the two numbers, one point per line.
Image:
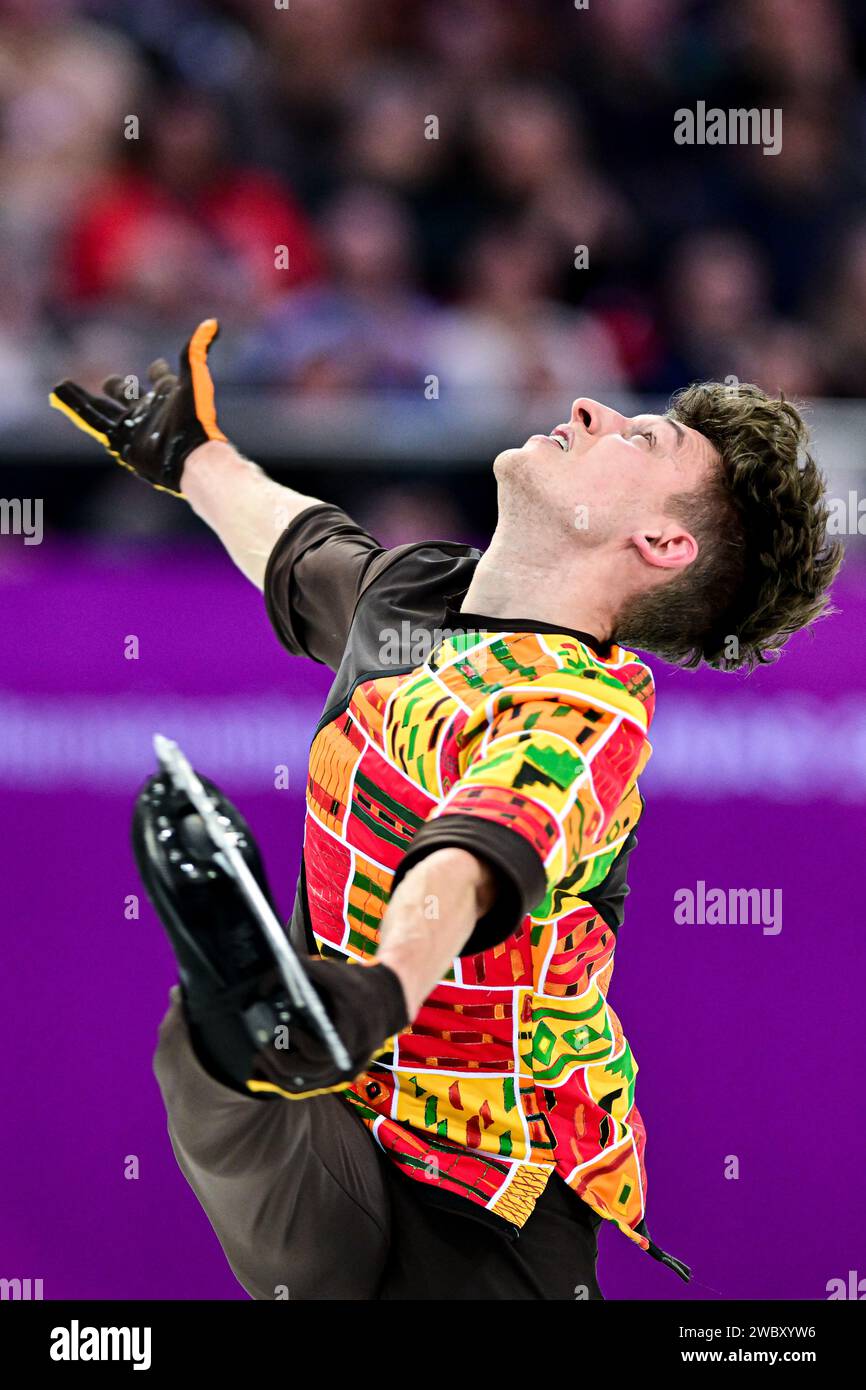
293	1189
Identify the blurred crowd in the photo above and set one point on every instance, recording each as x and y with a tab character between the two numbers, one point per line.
368	192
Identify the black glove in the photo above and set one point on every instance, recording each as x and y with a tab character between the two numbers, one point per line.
152	436
367	1006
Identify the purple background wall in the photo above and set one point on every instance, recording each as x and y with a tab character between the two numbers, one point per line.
749	1044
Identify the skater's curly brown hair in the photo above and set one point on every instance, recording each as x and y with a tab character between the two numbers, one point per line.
764	563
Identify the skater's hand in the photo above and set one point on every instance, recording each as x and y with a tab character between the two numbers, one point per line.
152	435
367	1006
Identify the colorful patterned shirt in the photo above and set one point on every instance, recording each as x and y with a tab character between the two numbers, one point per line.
522	743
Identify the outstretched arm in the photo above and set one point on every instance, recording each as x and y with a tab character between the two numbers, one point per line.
312	573
169	437
246	508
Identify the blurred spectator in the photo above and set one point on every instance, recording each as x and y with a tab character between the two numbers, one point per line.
784	356
842	315
364	327
22	391
721	323
387	137
414	249
508	333
396	515
486	38
180	219
717	290
65	86
791	45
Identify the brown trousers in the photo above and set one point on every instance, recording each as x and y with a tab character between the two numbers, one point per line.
305	1206
293	1189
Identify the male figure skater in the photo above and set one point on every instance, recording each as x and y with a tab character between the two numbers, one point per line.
469	821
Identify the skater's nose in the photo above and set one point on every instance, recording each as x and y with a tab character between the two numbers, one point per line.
596	418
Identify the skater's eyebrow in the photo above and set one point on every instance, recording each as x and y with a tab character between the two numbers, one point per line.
680	432
666	419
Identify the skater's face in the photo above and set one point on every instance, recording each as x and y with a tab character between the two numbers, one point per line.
608	478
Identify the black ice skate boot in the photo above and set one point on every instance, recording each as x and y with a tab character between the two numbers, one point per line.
243	1025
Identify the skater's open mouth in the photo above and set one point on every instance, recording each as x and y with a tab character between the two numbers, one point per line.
561	436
